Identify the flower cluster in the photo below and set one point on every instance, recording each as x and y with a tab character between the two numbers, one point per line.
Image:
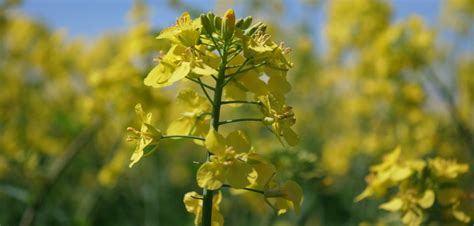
233	62
424	188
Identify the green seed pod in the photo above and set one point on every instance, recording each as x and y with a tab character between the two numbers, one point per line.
268	121
247	21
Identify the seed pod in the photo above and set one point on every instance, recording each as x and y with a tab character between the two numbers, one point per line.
228	24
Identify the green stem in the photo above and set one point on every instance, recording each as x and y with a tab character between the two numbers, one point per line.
240	102
182	136
240	70
205	91
215	115
240	120
200	83
247	189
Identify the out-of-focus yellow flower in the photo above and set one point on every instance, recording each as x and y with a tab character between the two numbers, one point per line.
193	203
280	117
146	136
446	169
354	23
195	110
284	197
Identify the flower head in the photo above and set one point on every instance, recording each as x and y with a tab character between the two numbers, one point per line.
280	117
147	137
228	163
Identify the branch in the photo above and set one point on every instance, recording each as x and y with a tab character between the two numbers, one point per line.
241	102
205	91
182	136
203	84
247	189
240	120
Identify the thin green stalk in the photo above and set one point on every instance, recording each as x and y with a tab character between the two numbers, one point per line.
240	70
240	120
215	115
197	82
240	102
182	136
247	189
205	91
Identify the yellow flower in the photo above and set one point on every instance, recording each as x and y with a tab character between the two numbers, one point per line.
228	163
147	137
193	203
280	117
284	197
194	118
446	169
186	32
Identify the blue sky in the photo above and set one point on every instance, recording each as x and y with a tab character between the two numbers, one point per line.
89	18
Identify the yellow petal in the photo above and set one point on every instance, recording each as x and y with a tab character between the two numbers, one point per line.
215	142
211	175
427	200
237	174
238	141
393	205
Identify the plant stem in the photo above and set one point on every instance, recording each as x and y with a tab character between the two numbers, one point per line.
247	189
199	83
215	115
182	136
205	91
240	102
240	120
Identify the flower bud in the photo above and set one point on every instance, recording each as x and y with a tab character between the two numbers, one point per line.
206	24
255	27
268	121
228	24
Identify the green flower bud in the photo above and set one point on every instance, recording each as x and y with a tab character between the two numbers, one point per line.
228	24
217	22
268	121
255	27
206	24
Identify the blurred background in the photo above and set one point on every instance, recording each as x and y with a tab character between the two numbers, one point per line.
369	75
